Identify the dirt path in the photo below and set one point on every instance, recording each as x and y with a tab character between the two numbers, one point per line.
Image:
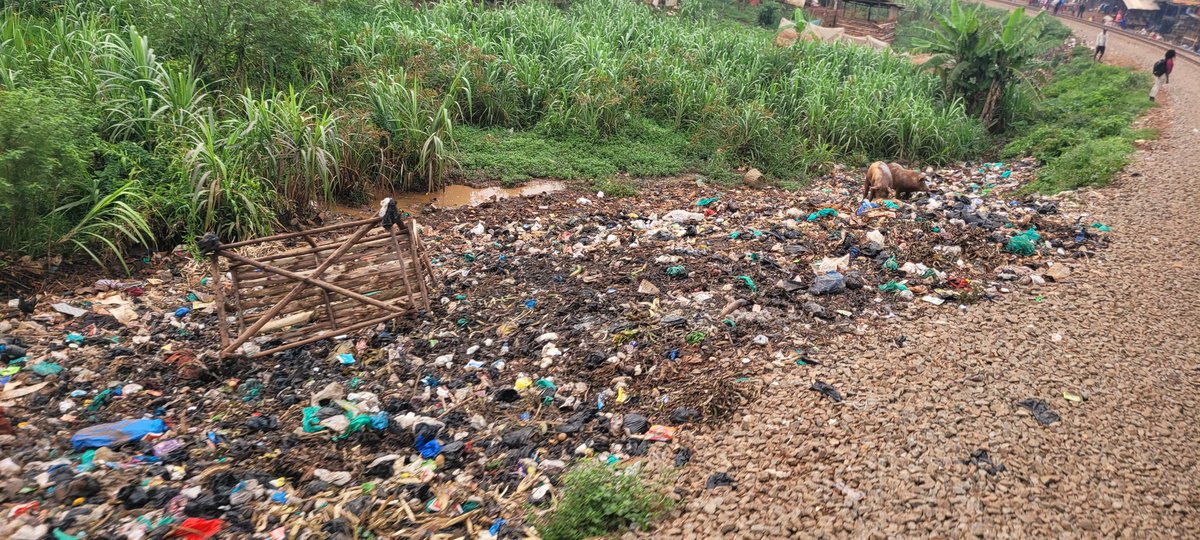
1122	463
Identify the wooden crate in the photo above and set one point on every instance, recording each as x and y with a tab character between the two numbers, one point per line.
366	275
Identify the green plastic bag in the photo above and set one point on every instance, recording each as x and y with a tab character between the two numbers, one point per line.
821	213
893	286
46	368
1024	243
357	424
311	423
100	400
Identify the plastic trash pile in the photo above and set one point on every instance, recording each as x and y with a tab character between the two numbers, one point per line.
563	331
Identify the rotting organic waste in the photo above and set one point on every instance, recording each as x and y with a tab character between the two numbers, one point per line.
569	327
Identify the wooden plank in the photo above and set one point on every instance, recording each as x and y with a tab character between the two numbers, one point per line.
400	259
219	296
328	307
350	261
326	335
339	303
362	313
321	301
318	283
412	233
237	299
285	236
301	254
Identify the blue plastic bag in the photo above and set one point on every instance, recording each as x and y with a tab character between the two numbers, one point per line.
116	433
429	449
864	207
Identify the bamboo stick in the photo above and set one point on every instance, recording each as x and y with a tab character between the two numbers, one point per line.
237	298
323	284
400	259
285	236
412	245
325	335
328	308
259	298
219	296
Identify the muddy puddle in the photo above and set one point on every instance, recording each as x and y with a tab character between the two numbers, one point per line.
458	195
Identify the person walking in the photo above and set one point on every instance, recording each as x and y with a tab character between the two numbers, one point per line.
1162	73
1101	44
1080	9
1058	5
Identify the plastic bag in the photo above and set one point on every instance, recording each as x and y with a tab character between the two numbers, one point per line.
116	433
821	213
893	286
1024	243
829	283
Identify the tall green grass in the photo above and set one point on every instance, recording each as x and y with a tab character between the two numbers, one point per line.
598	67
202	120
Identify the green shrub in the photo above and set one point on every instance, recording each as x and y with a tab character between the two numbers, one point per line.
45	147
1091	163
598	500
1083	128
768	16
261	42
982	58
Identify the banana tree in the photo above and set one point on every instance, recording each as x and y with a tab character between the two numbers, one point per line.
979	58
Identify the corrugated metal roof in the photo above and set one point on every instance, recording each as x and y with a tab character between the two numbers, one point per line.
1144	5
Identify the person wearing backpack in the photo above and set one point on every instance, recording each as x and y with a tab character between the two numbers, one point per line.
1162	72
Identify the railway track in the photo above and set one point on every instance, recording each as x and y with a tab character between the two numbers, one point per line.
1181	53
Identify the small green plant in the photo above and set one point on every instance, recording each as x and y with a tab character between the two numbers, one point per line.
614	188
599	500
1092	163
768	16
110	221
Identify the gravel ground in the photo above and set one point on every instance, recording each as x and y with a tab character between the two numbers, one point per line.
891	460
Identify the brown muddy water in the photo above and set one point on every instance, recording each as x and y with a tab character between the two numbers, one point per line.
455	196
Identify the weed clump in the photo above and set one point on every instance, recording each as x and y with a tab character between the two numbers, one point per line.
598	500
1083	132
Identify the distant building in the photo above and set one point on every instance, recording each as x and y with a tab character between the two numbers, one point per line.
1181	19
874	18
1139	14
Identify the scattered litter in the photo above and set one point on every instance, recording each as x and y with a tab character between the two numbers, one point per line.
116	433
568	331
720	479
1041	411
827	390
981	459
67	309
